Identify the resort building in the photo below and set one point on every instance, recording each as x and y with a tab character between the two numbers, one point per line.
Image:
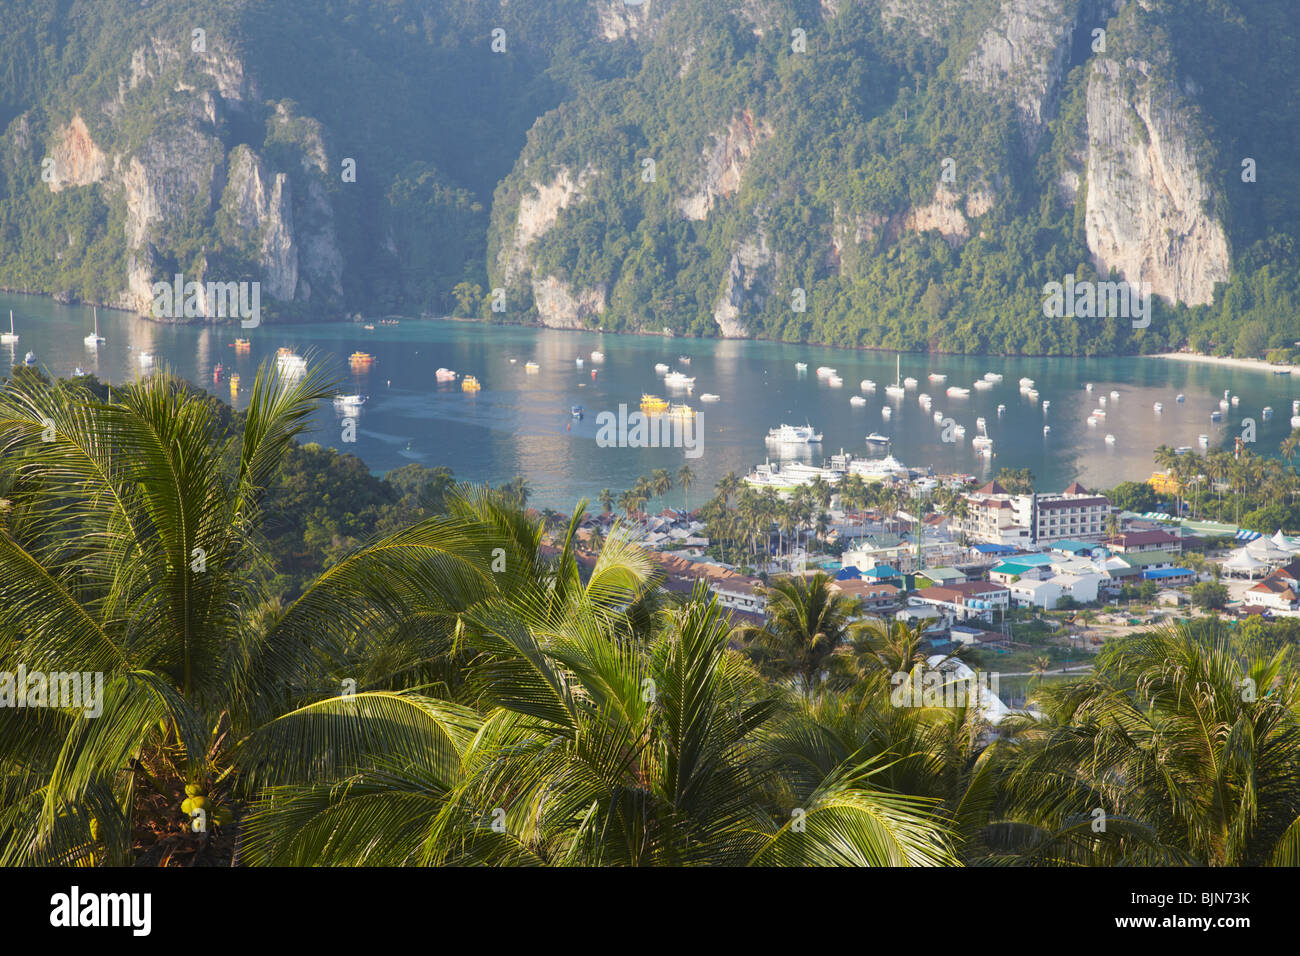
1134	542
995	516
974	599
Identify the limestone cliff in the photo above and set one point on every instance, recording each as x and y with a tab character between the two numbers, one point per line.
1149	207
724	164
747	285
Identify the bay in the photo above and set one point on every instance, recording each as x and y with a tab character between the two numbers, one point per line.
520	423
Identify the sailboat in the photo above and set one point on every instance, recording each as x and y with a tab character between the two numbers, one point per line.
94	339
896	390
10	337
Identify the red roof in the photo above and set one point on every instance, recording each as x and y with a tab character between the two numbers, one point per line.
1075	489
992	488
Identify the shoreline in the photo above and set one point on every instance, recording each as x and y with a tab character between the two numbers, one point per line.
1250	365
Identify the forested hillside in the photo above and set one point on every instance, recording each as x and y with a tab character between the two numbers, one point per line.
903	174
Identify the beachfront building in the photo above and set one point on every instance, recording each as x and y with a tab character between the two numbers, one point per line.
995	516
1280	591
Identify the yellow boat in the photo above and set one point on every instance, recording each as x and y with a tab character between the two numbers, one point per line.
234	383
360	358
653	403
242	345
469	384
531	368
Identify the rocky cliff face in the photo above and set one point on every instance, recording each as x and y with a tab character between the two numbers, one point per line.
1148	209
724	165
747	285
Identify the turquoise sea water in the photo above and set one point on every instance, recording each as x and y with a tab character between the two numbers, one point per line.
521	423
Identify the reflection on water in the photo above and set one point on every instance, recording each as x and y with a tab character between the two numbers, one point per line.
520	422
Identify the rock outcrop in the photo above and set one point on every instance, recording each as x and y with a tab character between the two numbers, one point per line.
724	165
748	283
560	308
1149	209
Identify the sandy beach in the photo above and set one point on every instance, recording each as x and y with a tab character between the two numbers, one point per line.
1252	365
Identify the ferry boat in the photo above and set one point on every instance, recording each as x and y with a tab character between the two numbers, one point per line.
661	368
938	377
234	383
94	340
444	375
10	337
825	370
867	385
710	397
290	363
956	391
789	476
243	345
349	401
982	443
794	435
876	469
875	438
678	380
653	403
470	384
357	359
857	401
531	368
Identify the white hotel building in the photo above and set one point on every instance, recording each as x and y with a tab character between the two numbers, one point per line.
995	516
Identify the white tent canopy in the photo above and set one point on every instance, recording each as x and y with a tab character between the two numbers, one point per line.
1243	562
1285	543
1264	549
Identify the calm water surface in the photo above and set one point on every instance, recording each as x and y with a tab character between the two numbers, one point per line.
520	423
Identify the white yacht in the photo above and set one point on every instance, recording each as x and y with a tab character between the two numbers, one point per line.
938	378
1203	441
661	369
896	390
1088	387
794	435
10	337
290	363
910	382
94	340
982	444
959	431
993	377
598	356
1001	409
1159	407
1026	383
1110	439
678	380
983	385
1114	395
1047	429
877	468
444	375
1047	403
824	371
788	476
349	401
578	360
956	391
1181	398
886	412
857	401
981	424
1032	394
801	366
1236	400
867	385
145	358
1268	412
834	381
875	438
1295	421
710	397
924	401
938	418
1092	421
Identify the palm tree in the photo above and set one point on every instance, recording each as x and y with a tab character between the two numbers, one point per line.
606	499
132	549
685	479
806	623
661	482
